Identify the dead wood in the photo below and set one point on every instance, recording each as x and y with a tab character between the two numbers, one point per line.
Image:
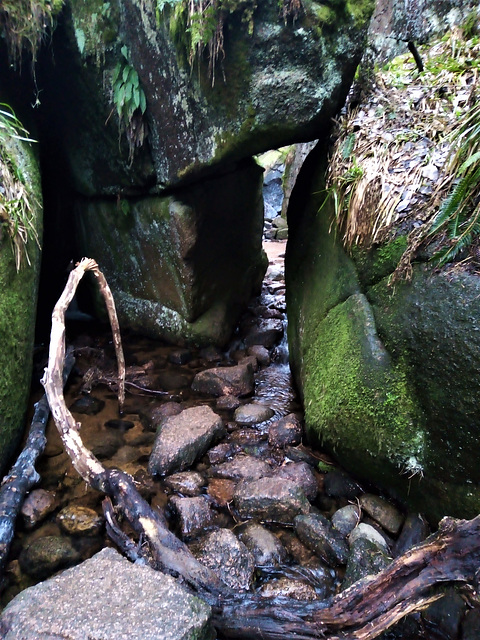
362	612
23	475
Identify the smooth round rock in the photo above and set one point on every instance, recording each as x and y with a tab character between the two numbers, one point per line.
80	521
252	413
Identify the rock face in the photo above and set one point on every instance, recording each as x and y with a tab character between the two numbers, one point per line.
18	292
173	211
389	375
100	599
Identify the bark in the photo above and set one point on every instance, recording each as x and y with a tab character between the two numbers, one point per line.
23	475
362	612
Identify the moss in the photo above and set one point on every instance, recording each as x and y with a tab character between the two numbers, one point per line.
360	10
96	27
323	14
376	263
17	315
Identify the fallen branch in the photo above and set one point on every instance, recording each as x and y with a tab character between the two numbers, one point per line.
23	475
362	612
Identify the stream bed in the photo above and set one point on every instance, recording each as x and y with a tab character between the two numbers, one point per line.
257	504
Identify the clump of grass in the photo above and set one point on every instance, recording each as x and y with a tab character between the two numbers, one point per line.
16	202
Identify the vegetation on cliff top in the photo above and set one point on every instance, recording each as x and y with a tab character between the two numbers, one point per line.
407	160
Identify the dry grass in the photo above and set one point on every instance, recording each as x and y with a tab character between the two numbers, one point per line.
394	160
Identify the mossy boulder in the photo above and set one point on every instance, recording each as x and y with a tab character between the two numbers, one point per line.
181	267
18	296
277	78
389	375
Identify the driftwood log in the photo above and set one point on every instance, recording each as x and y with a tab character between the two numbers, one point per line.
23	475
362	612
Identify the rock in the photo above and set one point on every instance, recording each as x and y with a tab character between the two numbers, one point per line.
366	531
289	588
279	223
282	234
242	467
121	425
316	531
228	557
271	500
103	445
184	438
261	354
172	380
444	617
338	484
266	548
220	381
366	557
36	507
301	473
95	600
415	529
221	491
222	452
252	413
18	290
80	521
285	432
188	483
471	625
267	333
388	516
227	403
195	515
88	405
346	519
152	416
211	354
44	556
252	360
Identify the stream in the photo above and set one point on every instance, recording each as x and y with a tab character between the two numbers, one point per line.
307	543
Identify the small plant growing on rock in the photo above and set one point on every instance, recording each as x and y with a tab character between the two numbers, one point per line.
130	102
16	204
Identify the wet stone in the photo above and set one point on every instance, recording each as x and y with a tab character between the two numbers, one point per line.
289	588
220	381
105	445
180	356
221	491
286	431
415	529
387	515
471	625
317	533
183	438
261	353
248	438
265	547
302	474
338	484
80	521
222	452
42	557
227	403
252	413
121	425
366	531
271	500
366	558
36	507
346	519
195	515
242	467
88	405
188	483
211	354
267	333
249	360
152	417
444	617
223	552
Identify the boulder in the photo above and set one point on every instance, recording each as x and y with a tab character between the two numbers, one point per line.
18	288
183	438
219	381
110	598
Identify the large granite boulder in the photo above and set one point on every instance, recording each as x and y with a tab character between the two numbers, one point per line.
108	598
19	179
389	375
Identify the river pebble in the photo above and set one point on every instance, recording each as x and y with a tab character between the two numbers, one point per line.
195	515
346	519
252	413
415	529
302	474
221	491
188	483
317	533
265	547
289	588
286	431
242	467
44	556
265	333
267	499
366	557
223	552
77	520
37	506
220	381
383	512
